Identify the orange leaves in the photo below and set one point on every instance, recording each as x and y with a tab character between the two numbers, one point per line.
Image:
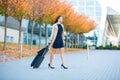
52	12
12	50
73	22
20	7
48	10
38	8
79	24
6	7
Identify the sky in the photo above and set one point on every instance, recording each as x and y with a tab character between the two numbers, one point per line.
115	4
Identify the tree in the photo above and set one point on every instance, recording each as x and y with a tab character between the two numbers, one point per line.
46	11
38	8
48	17
32	16
40	21
68	16
42	7
6	9
20	13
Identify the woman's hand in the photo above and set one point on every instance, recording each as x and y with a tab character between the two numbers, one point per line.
49	44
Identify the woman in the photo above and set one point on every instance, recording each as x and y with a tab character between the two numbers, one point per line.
57	37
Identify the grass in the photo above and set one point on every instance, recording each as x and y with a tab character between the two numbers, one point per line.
12	50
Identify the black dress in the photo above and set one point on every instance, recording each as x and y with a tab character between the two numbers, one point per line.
58	43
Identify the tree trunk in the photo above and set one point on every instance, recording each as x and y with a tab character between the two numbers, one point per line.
73	41
19	40
66	42
5	32
46	31
20	30
76	40
40	29
80	40
31	41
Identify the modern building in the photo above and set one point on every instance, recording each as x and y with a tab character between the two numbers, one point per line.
12	30
112	28
107	21
36	31
93	10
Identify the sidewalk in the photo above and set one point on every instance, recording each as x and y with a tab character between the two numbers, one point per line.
101	65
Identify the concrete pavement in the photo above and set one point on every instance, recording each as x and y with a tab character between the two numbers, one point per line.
101	65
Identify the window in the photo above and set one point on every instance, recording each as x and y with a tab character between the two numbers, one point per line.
98	19
98	8
98	13
9	39
81	3
97	4
81	10
90	11
90	3
73	3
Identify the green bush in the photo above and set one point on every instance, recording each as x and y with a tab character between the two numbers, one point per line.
108	47
100	47
84	47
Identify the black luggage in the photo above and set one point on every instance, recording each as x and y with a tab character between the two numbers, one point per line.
39	57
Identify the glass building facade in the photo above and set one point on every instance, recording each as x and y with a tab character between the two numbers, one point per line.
106	19
90	8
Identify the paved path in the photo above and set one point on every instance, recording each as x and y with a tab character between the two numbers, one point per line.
101	65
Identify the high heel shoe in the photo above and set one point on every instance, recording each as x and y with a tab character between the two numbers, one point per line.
49	66
62	66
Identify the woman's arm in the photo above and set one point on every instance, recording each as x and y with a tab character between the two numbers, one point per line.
54	34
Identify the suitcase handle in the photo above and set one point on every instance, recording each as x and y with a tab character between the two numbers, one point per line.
46	49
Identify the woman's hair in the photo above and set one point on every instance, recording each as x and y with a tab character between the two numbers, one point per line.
57	19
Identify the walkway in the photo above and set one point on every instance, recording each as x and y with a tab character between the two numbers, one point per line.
101	65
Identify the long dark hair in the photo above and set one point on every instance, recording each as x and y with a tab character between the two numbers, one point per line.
57	19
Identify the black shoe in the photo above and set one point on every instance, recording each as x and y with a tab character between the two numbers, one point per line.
49	66
62	66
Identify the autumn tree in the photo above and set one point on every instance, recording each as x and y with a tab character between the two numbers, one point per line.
48	15
32	16
45	12
68	16
6	9
77	24
20	13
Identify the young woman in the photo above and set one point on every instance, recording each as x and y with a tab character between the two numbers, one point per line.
56	42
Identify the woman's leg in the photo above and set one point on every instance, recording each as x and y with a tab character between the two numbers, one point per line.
52	55
62	58
62	55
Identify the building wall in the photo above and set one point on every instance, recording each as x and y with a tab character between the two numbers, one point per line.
12	35
102	26
110	34
95	11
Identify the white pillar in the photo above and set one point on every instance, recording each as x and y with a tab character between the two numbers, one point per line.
102	25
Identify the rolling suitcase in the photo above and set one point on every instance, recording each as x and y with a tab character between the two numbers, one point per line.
39	57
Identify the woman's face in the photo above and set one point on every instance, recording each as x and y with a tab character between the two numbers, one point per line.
60	19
